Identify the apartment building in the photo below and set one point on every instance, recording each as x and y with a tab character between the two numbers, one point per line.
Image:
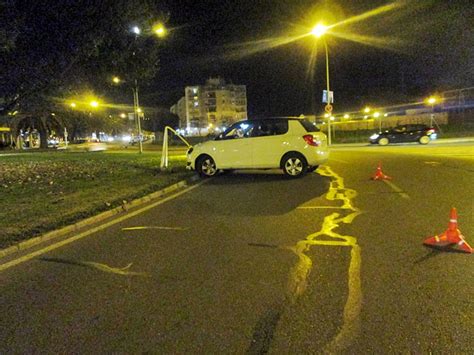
211	107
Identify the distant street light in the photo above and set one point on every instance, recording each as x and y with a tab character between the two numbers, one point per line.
367	109
136	30
346	116
160	30
318	31
432	100
73	104
116	80
94	104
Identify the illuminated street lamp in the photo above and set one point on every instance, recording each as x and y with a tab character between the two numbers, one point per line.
367	109
346	116
160	30
136	30
94	104
432	100
318	31
73	104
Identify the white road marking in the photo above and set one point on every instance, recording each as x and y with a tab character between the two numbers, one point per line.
397	189
154	227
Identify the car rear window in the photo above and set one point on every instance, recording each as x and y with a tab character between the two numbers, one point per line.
309	126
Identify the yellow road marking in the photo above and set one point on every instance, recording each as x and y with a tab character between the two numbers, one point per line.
397	189
298	278
93	230
319	207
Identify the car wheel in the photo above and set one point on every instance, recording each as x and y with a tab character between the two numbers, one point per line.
310	169
424	140
206	167
383	141
294	165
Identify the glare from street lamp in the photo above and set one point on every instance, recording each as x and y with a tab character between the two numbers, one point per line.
116	79
94	104
159	30
319	30
73	104
327	115
432	100
367	110
136	30
346	116
376	114
123	115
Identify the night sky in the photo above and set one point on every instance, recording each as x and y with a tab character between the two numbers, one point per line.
425	46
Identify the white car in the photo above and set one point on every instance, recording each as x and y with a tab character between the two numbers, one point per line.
294	145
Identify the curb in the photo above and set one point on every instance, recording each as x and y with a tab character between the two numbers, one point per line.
94	219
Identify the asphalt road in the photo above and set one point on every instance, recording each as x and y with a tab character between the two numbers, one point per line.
254	262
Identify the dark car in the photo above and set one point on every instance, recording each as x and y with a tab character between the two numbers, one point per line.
405	133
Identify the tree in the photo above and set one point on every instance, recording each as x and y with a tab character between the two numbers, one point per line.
53	49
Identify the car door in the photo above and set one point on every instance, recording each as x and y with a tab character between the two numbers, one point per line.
233	148
267	146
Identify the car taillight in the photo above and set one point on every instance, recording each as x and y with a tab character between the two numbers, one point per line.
309	139
431	131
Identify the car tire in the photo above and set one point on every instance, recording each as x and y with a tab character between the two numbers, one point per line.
206	166
294	165
383	141
424	140
310	169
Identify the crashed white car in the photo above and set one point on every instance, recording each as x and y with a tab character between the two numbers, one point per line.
294	145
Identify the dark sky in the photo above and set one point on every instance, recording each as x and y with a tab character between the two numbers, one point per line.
430	49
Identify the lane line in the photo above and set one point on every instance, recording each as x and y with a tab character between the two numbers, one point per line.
154	227
93	230
397	189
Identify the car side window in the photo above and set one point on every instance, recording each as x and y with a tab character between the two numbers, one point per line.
271	127
238	130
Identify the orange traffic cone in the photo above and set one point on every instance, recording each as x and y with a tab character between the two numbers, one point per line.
379	175
452	237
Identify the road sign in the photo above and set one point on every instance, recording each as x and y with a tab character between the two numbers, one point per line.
331	96
328	108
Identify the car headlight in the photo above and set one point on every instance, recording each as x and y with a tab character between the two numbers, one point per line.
374	136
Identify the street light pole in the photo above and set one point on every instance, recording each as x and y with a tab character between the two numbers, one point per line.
327	86
136	106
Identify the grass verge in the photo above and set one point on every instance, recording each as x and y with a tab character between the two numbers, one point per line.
43	191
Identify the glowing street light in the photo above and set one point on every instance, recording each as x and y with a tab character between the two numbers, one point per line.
377	114
367	109
319	30
116	80
136	30
432	100
73	104
94	104
159	30
346	116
